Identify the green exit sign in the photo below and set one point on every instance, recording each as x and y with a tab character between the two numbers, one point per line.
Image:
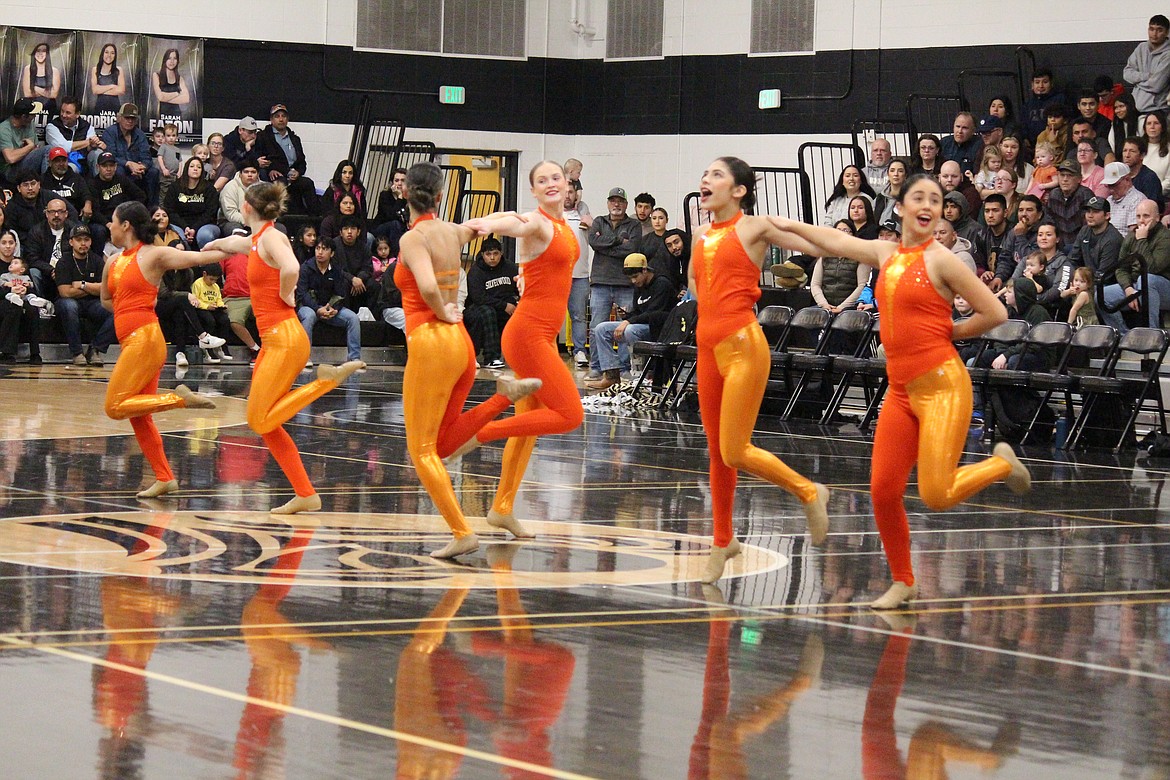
769	98
452	95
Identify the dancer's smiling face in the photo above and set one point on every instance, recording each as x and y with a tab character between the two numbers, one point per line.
922	206
717	188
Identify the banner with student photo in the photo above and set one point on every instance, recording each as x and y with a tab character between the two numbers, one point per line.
40	67
173	76
109	74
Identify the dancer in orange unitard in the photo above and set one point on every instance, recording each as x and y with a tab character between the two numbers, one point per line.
733	362
440	369
129	289
284	346
917	282
547	251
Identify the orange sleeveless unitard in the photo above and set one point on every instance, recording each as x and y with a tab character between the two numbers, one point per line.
440	370
733	367
284	349
927	382
133	390
529	344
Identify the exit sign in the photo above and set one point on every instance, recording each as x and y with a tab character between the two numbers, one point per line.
769	98
452	95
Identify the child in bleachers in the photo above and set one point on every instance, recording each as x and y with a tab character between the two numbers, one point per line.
1044	177
211	310
984	180
20	286
168	160
1084	310
382	258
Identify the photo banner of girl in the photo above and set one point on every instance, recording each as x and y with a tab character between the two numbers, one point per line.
174	84
40	67
109	72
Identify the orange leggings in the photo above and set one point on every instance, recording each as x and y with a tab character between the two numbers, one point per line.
133	393
283	352
438	377
555	408
732	378
943	396
880	758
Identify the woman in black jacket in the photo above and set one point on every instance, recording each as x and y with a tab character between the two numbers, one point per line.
193	205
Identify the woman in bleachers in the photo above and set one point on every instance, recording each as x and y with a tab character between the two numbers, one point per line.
345	181
896	174
1001	106
193	204
1125	122
1013	149
837	282
1007	184
929	157
346	205
861	217
1092	174
1157	157
850	182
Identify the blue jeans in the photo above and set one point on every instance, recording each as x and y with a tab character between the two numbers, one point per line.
578	301
1159	302
345	318
71	310
601	298
205	235
603	336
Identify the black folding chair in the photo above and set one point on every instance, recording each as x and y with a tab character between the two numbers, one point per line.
1005	334
1090	343
1052	337
847	334
870	369
678	329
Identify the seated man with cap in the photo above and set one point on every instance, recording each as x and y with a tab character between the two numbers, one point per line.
282	158
1066	202
241	144
125	140
61	181
79	287
19	149
1123	197
109	189
654	297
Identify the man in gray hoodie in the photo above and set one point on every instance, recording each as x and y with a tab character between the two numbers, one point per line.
1148	68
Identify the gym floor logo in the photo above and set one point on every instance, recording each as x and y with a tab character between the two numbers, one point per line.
358	551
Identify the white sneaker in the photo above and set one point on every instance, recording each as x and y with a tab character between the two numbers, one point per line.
15	299
365	315
582	360
47	311
209	356
38	301
181	359
308	364
207	341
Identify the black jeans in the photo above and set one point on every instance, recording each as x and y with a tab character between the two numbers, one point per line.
16	321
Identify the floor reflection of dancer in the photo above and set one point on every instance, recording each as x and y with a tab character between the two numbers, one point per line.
918	280
272	276
129	289
547	251
441	367
733	362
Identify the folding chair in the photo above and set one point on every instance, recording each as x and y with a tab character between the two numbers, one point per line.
678	329
1054	337
1004	334
847	334
872	372
1091	342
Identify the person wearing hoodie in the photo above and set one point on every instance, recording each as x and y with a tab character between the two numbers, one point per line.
957	210
492	297
944	233
1057	268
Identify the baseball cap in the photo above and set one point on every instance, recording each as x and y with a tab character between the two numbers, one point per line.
57	152
80	230
988	123
106	157
278	107
128	110
1114	172
891	225
635	263
617	192
1068	166
248	123
1097	203
23	106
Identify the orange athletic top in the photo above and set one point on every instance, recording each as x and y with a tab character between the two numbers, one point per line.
417	311
264	286
547	280
916	320
134	297
727	283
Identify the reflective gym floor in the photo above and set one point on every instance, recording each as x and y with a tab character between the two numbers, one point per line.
204	638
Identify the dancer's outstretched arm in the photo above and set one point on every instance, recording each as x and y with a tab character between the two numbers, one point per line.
826	241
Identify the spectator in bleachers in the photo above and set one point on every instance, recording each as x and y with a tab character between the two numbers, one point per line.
231	197
950	176
126	141
61	181
1066	202
1012	147
26	207
879	162
963	146
1092	174
1083	309
218	167
1083	131
944	233
1001	108
393	212
193	205
1088	107
305	247
79	288
995	231
322	296
165	233
862	218
655	296
1126	123
612	238
352	257
643	204
110	189
19	308
1157	140
653	246
168	159
346	208
1055	132
573	168
1020	242
1107	93
1148	243
1044	175
175	309
19	149
241	143
1145	181
956	210
391	297
1148	67
678	243
990	130
1057	268
237	297
850	183
1123	198
1022	299
896	174
1007	186
71	132
1098	245
1034	120
837	282
47	243
345	181
492	296
929	156
282	158
211	310
578	218
991	161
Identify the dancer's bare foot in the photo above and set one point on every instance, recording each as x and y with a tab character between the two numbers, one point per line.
1019	481
509	523
193	400
298	504
718	559
899	595
817	512
159	488
460	545
339	373
515	389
